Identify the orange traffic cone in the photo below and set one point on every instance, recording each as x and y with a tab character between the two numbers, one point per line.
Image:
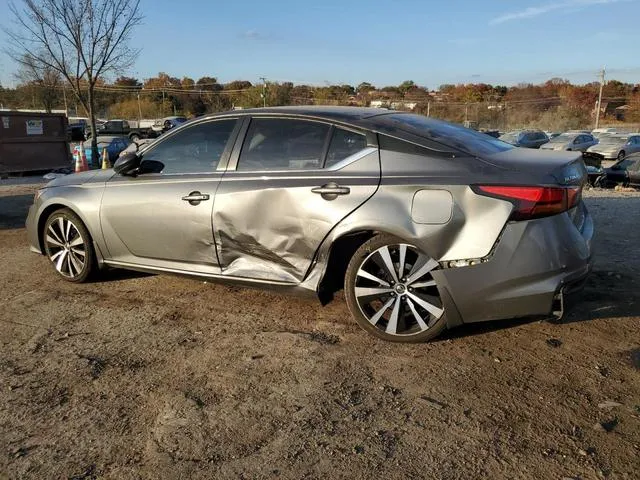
106	165
83	159
78	161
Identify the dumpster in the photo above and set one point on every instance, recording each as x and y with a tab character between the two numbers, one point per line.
33	142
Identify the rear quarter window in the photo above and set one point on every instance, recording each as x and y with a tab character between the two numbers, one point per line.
449	134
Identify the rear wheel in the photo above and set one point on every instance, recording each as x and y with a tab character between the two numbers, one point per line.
135	137
391	292
68	246
621	155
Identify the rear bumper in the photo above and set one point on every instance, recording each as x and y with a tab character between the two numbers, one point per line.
534	262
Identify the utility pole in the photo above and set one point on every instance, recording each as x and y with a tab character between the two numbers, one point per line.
139	109
602	72
264	91
428	108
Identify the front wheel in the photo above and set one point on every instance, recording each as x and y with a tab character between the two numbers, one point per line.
391	292
135	137
68	246
621	155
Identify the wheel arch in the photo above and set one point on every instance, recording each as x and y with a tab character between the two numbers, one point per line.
58	205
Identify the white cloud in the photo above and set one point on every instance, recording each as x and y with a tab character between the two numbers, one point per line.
550	7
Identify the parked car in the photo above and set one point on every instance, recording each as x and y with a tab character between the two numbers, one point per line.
571	142
122	128
167	123
625	172
76	128
526	138
113	144
615	147
598	132
425	224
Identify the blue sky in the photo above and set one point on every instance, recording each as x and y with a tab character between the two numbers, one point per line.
384	42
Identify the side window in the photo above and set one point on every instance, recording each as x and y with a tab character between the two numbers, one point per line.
344	144
283	144
194	150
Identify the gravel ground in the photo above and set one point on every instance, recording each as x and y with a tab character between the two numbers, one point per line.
141	376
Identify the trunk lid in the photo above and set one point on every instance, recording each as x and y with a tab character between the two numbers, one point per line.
542	167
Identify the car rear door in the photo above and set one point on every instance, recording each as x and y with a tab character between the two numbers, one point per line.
162	217
289	182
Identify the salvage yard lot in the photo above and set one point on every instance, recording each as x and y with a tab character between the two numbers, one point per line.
141	376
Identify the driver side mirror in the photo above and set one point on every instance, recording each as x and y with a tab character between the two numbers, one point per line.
127	164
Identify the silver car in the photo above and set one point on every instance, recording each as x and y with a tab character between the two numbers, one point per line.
578	142
424	224
616	147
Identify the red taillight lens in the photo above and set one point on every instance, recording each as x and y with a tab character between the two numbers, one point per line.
534	202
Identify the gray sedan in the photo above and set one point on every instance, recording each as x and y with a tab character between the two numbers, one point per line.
616	147
526	138
424	224
578	142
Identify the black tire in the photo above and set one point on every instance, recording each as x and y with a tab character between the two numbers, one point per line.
75	262
134	137
408	309
621	155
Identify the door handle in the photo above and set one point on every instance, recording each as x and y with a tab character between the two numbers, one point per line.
331	189
194	198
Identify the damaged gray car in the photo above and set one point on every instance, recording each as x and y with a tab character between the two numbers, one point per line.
424	224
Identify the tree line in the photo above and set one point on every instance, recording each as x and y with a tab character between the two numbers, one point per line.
554	104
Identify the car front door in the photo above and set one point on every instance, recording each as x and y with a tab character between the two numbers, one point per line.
288	184
162	217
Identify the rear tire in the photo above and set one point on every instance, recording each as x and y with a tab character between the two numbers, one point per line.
621	155
391	292
135	137
69	247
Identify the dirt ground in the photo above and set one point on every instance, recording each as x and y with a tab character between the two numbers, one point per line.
141	376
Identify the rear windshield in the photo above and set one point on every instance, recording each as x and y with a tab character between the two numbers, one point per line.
448	134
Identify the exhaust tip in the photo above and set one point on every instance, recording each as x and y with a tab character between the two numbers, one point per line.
557	309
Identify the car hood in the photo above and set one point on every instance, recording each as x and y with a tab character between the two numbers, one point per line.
554	146
604	147
92	176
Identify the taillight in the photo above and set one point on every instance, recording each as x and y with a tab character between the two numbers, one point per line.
533	202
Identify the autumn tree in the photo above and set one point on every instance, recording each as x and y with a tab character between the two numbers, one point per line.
82	40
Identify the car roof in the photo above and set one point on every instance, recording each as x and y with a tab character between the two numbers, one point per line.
376	120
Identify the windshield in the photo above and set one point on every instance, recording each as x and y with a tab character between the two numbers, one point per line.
510	137
611	140
449	134
563	138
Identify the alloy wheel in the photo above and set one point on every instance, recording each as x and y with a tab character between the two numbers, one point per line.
396	292
66	247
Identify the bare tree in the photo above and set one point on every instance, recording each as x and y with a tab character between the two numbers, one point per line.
43	79
82	40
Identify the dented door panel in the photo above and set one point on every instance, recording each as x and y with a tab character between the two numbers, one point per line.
268	225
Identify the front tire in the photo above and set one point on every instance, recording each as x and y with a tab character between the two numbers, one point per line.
621	155
68	246
391	292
